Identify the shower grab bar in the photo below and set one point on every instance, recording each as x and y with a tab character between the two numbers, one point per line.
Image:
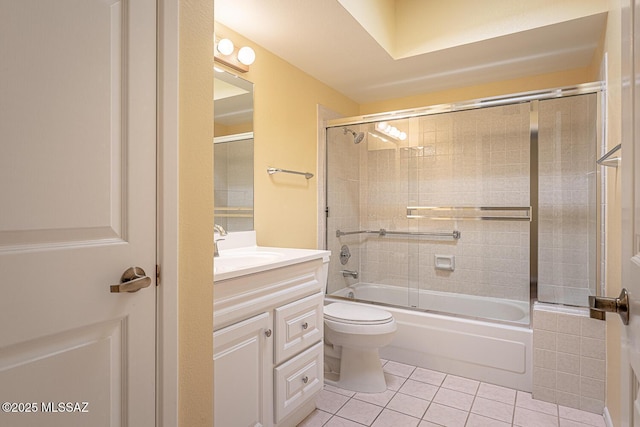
607	161
382	232
472	209
271	171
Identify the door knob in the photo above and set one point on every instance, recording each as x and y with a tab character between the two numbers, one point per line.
133	279
598	306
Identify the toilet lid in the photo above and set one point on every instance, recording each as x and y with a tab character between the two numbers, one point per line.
356	314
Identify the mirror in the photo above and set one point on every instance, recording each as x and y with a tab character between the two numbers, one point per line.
233	151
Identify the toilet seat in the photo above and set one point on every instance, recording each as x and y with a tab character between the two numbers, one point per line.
356	314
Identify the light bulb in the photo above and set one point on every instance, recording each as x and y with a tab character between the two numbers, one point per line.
225	46
403	136
246	55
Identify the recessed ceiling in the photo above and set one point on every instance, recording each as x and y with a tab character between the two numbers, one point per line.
324	40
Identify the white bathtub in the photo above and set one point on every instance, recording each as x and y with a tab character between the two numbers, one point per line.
442	302
487	351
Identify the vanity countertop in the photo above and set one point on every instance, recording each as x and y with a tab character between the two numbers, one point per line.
239	256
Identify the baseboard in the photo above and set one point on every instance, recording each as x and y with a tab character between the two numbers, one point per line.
607	417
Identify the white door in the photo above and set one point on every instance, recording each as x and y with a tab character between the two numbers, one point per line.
77	208
630	345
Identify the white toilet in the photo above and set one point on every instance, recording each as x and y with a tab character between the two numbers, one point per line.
353	334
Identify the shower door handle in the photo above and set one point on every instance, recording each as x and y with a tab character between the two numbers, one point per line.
598	306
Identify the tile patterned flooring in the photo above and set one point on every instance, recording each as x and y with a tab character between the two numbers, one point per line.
418	397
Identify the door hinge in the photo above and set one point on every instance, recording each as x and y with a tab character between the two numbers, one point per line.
326	211
157	275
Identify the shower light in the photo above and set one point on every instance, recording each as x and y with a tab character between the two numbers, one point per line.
391	131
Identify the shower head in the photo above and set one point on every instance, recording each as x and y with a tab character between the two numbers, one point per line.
357	136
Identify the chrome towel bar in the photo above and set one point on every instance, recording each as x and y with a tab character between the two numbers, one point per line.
271	171
607	160
382	232
452	213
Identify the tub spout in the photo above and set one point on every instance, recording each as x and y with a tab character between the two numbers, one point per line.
351	273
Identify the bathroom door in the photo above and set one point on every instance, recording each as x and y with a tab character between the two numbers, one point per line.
77	208
630	344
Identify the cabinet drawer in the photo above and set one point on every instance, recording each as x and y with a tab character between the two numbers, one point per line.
298	325
298	380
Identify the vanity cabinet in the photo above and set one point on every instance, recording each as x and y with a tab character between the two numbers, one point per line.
268	349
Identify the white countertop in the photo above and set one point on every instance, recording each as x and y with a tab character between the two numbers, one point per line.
239	255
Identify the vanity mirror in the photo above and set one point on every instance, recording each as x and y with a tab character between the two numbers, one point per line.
233	151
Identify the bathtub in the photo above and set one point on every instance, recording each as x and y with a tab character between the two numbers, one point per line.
497	352
442	302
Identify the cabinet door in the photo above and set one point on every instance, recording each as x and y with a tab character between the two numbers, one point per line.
242	362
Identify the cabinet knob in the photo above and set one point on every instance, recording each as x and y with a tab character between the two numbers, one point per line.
267	333
305	325
305	379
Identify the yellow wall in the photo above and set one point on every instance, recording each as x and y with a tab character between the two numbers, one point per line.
195	293
285	126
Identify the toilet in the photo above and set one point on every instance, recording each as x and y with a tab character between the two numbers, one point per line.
353	334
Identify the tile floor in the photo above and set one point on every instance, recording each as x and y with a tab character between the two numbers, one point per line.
424	398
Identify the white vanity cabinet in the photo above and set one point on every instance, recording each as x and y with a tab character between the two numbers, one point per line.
268	350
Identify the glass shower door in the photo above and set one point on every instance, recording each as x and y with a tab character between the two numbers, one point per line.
470	174
366	222
568	199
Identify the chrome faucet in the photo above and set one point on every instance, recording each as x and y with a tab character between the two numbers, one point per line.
222	232
216	252
219	229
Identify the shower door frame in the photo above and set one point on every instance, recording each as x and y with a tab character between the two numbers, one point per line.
533	98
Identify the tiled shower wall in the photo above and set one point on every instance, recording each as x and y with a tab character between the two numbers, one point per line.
568	358
471	158
233	182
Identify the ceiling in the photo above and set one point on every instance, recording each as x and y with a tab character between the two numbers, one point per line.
324	40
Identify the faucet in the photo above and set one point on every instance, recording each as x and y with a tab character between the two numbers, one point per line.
219	229
216	252
222	232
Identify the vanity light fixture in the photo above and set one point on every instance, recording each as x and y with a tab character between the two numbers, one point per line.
246	55
226	53
225	46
